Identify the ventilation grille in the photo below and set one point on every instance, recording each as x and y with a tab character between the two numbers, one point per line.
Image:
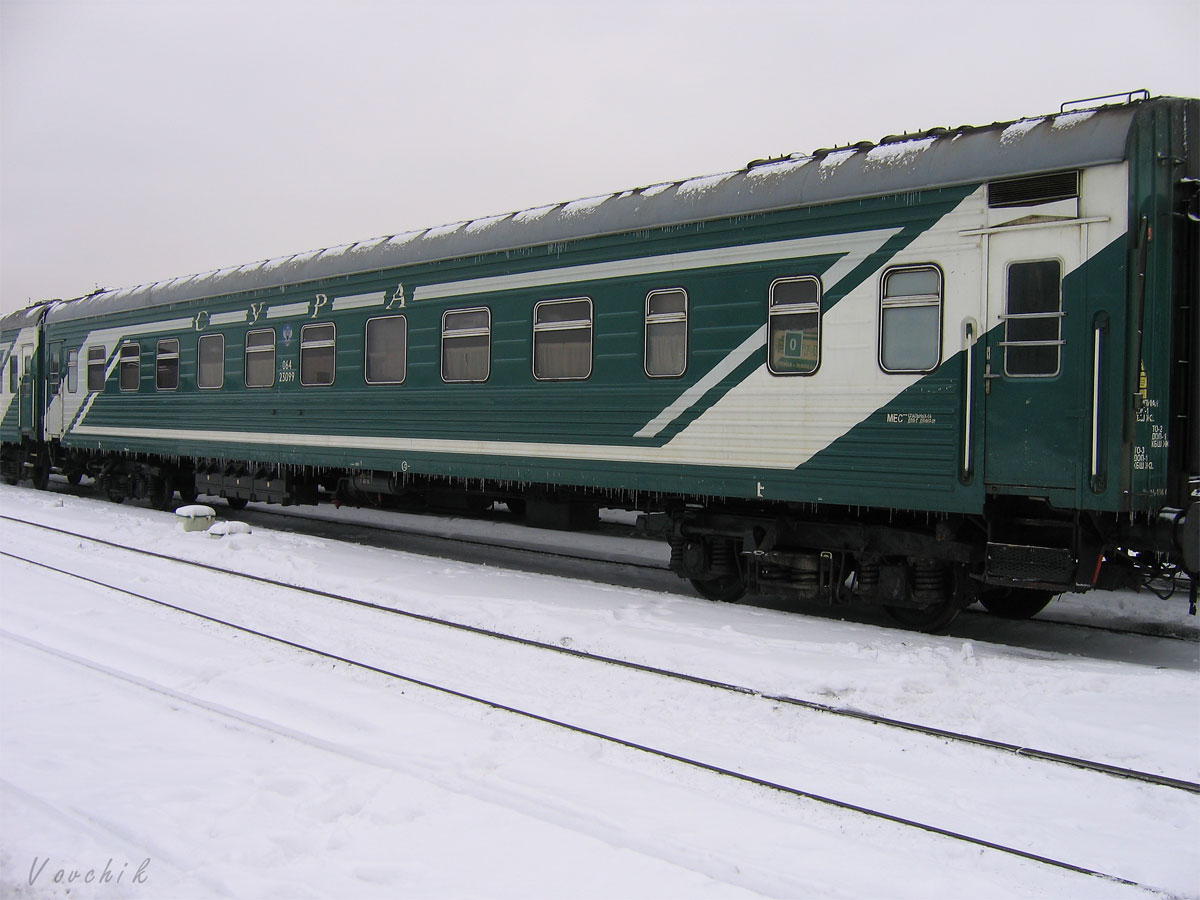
1034	190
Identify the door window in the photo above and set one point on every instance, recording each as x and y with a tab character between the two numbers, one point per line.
1033	319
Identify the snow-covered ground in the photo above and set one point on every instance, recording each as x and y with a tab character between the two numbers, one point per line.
191	761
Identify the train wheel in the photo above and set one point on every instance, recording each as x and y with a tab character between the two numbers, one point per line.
930	619
40	475
161	493
1015	603
236	503
74	477
723	589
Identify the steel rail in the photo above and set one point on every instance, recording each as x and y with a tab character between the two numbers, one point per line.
453	539
582	557
629	564
612	739
846	712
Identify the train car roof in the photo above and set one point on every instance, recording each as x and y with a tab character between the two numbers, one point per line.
932	159
30	315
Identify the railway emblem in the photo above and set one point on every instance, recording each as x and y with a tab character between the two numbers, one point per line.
287	334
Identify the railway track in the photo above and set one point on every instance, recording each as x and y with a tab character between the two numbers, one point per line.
784	786
814	706
624	571
322	523
609	738
823	708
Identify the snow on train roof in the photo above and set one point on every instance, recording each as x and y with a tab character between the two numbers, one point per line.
937	158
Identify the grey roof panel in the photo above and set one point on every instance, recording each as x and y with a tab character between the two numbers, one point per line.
962	156
27	316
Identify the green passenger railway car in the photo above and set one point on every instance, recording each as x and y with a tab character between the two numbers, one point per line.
949	366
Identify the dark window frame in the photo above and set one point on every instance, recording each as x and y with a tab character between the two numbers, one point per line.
367	350
806	307
654	320
97	359
200	383
466	333
169	356
911	301
556	327
128	361
263	349
1010	343
308	345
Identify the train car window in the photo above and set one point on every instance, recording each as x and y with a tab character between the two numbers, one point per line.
910	319
166	368
72	371
466	344
666	333
14	376
210	367
794	325
1033	319
95	368
318	354
387	350
130	372
562	339
260	358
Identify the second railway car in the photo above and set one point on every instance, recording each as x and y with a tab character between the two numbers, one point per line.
951	366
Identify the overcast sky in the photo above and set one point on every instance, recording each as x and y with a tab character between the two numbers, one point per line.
146	139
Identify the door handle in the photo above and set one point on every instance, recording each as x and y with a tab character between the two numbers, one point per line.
988	375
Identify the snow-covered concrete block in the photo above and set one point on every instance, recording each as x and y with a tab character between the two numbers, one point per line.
220	529
195	518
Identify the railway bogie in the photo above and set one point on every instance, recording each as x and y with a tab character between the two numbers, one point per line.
951	367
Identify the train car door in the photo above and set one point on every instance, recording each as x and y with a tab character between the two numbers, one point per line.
1036	418
54	386
25	402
